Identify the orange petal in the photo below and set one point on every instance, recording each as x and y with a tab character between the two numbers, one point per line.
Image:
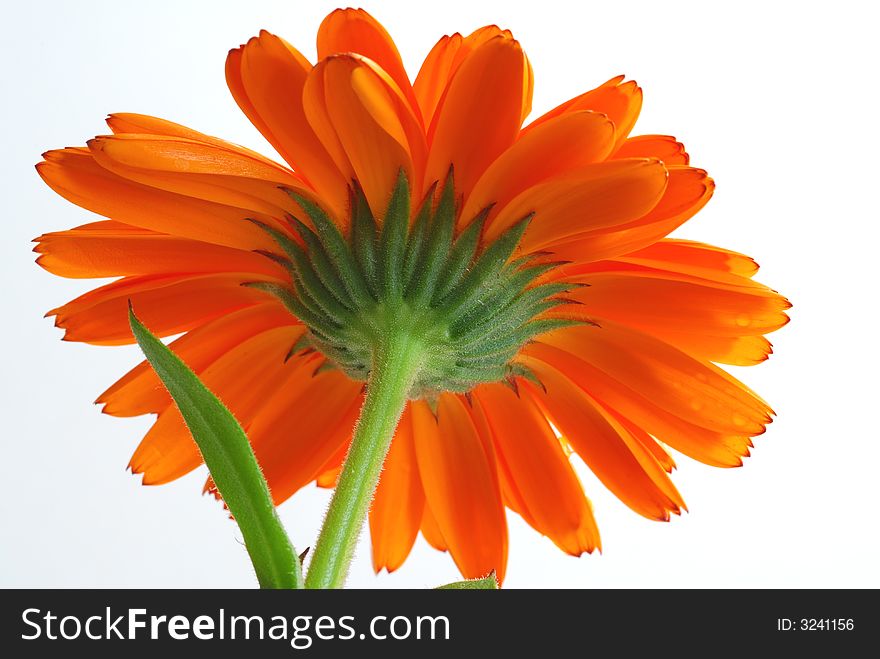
301	427
715	448
141	392
243	378
443	62
621	101
711	448
692	257
362	117
660	453
664	147
166	304
431	532
699	393
593	198
167	451
74	174
355	31
92	252
733	350
468	133
122	123
461	486
688	190
329	477
617	458
199	170
434	75
531	460
399	502
560	145
658	301
266	76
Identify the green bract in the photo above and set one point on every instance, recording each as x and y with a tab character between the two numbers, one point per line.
469	307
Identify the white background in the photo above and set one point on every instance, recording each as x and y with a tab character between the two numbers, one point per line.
777	100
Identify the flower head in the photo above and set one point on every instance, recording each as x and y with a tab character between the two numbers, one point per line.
530	264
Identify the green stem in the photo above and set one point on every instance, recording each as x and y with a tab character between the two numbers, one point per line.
395	367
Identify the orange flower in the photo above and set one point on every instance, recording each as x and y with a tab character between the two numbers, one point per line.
190	218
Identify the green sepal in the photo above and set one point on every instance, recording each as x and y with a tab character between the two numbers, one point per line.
303	343
461	256
417	242
364	238
516	370
487	265
313	291
392	242
285	242
231	462
513	313
439	242
277	258
314	320
304	276
337	249
502	340
499	295
321	264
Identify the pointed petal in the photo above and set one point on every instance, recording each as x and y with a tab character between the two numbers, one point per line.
266	76
699	393
363	118
399	502
692	257
617	458
355	31
559	145
204	171
688	190
76	176
168	304
597	197
467	134
722	449
461	486
658	301
243	378
444	60
143	124
301	427
141	392
532	462
88	253
620	101
434	75
663	147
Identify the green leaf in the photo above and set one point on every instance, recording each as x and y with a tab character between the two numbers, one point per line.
486	583
231	461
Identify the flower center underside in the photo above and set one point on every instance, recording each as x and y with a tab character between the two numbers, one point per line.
468	307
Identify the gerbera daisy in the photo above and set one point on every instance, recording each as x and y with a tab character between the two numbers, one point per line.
506	293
